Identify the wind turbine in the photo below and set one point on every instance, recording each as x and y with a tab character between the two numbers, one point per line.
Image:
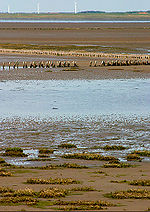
8	9
38	8
75	7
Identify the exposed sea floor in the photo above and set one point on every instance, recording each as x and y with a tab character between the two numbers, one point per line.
90	114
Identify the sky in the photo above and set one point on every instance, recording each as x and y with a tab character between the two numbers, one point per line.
68	5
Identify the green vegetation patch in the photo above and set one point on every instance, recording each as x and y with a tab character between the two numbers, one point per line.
61	181
46	151
145	153
67	145
130	194
90	156
14	152
133	157
114	147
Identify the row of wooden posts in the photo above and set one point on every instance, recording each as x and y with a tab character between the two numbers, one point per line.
118	63
48	64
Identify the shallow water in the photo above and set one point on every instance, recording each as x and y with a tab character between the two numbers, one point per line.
71	21
90	114
74	97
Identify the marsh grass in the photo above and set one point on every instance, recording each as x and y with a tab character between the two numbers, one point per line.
44	151
85	188
60	181
90	156
134	182
52	193
82	205
130	194
87	48
133	157
116	181
4	173
27	192
14	152
140	182
65	165
114	147
18	200
67	146
117	165
71	69
3	163
40	159
145	153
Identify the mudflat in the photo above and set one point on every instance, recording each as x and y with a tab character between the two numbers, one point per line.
100	180
130	35
93	179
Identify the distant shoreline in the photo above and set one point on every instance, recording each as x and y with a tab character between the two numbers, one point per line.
69	21
77	17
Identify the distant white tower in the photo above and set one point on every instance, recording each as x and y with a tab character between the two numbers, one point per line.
75	7
38	8
8	9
